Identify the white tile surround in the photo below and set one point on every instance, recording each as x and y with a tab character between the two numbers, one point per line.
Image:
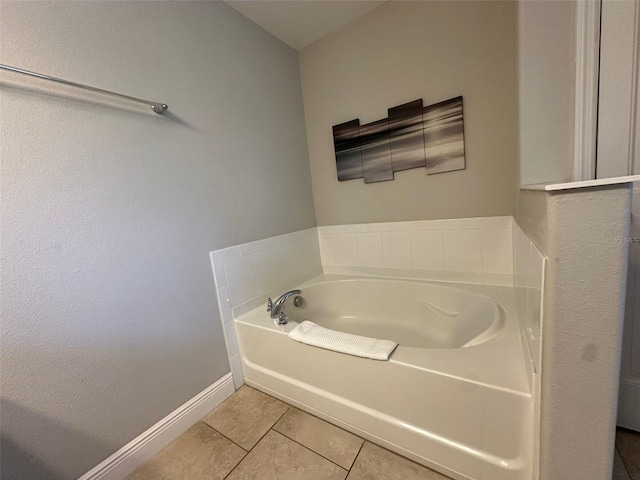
471	250
475	250
529	267
245	275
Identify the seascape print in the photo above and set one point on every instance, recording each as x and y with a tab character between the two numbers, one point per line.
412	136
444	136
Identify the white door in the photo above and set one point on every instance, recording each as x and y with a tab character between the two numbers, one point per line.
619	154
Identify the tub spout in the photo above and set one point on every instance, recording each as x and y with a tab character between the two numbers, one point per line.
276	307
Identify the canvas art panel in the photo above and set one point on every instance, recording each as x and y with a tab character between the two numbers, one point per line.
412	136
376	152
444	136
405	133
346	141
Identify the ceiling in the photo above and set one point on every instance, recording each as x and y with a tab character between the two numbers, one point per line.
299	23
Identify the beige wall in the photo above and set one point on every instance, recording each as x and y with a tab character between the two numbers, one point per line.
399	52
109	211
546	82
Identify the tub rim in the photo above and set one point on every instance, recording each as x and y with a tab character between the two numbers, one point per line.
496	373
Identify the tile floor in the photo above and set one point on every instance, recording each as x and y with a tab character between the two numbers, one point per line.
252	435
627	461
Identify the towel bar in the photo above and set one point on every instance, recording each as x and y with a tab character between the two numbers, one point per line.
157	107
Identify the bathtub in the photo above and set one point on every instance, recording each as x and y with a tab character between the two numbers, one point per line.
454	395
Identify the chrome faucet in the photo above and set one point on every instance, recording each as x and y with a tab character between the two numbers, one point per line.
275	308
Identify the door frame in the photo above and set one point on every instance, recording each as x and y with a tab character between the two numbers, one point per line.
607	40
588	14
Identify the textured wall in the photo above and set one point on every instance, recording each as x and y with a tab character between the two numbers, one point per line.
399	52
109	320
546	77
583	311
629	399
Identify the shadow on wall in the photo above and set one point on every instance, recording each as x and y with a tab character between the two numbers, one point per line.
81	98
18	462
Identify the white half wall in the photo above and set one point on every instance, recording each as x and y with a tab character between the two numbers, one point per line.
578	231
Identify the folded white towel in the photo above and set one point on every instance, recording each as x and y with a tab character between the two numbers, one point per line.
317	336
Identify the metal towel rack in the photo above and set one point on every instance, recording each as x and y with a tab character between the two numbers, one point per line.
159	108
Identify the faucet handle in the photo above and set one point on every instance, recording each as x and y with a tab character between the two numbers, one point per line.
282	319
269	305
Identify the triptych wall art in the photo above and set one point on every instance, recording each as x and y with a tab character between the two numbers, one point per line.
412	136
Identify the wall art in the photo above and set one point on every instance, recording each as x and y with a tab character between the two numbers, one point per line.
412	136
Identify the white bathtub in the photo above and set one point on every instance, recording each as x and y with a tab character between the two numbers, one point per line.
454	395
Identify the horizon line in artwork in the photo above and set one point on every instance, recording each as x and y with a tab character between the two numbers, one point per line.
412	136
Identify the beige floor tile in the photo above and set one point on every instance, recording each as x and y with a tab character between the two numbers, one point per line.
628	445
246	416
200	453
619	471
377	463
331	442
278	458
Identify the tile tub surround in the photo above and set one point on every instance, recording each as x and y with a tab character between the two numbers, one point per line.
473	250
286	443
245	275
468	250
529	265
529	269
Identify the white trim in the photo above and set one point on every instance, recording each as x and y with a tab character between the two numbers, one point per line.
552	187
586	100
126	460
634	131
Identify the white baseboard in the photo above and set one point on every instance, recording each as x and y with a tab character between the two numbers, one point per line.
126	460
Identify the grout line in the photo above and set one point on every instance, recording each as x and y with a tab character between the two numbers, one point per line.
271	427
277	420
256	444
227	475
357	455
347	470
313	451
244	449
241	460
355	240
339	428
224	436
